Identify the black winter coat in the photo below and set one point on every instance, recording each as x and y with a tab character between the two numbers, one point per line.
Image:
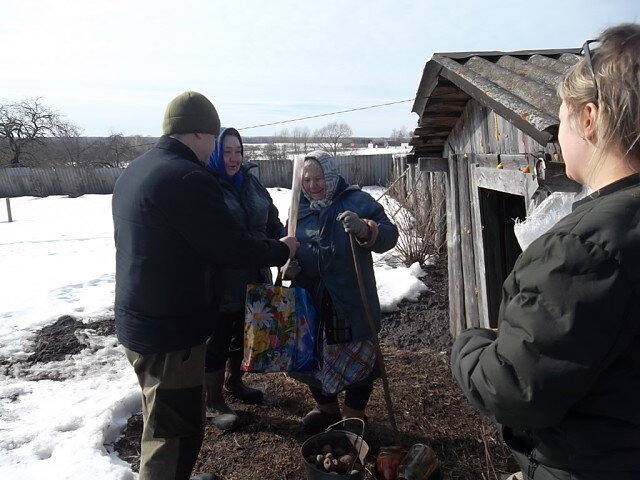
563	375
172	232
253	207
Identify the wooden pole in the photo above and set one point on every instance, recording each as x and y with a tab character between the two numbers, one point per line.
374	336
9	210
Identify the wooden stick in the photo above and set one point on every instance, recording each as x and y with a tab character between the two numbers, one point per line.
374	335
9	210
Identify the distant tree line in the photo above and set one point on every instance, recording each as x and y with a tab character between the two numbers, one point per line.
34	135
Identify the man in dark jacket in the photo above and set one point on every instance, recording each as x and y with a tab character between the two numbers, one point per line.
172	233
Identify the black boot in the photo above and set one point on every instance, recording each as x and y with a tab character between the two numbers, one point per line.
206	476
233	383
223	417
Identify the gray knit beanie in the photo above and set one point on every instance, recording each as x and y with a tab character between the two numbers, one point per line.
190	112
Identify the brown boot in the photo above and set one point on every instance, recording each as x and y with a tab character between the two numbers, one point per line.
223	417
233	383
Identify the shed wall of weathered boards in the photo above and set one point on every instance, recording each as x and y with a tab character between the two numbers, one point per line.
487	157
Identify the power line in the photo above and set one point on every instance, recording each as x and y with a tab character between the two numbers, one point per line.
327	114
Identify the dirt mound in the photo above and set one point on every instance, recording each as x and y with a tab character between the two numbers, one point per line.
54	342
423	324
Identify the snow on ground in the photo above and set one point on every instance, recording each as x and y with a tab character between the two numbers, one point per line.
57	259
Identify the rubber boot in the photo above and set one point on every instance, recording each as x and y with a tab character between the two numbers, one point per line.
205	476
354	426
223	417
233	383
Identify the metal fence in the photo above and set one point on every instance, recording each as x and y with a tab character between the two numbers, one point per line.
75	181
72	181
356	169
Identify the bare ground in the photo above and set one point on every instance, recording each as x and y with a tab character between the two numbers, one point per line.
428	406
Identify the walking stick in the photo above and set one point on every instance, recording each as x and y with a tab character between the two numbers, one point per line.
374	335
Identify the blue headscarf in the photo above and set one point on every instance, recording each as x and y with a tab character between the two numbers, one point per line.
216	160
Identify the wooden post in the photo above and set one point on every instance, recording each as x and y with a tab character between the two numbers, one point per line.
9	210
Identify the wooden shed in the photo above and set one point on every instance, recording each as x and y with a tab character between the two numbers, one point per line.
490	121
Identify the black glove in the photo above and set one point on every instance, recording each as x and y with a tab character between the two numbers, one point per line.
291	269
354	224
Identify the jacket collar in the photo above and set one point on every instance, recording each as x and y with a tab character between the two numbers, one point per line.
629	181
176	146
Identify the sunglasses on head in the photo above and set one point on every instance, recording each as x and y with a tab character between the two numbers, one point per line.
586	51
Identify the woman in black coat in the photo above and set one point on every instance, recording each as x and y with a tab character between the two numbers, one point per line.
252	206
562	374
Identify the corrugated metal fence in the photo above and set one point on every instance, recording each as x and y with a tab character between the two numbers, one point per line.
75	181
40	182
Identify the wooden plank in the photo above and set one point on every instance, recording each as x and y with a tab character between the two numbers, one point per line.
9	217
433	164
486	160
454	265
516	162
466	245
508	181
478	245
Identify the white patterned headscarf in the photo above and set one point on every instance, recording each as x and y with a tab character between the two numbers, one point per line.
331	178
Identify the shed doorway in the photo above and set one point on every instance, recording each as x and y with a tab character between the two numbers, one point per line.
498	211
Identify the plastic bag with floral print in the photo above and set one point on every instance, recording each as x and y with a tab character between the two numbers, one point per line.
280	330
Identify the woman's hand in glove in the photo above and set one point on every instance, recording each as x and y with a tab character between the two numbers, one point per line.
352	223
291	269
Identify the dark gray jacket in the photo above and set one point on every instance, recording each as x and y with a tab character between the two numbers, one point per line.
253	208
563	375
172	229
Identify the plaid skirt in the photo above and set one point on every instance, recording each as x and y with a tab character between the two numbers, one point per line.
343	365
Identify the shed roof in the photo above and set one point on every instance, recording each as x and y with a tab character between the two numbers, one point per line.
519	86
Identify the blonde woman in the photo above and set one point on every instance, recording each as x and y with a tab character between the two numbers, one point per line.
562	375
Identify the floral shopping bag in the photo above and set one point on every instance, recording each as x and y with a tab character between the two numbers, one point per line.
280	330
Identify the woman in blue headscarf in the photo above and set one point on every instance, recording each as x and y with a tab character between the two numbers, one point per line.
252	206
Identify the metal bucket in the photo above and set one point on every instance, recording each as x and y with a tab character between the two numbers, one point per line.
344	439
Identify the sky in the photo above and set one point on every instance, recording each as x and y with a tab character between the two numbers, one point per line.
61	258
111	66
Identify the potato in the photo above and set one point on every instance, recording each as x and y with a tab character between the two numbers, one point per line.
319	460
326	449
346	460
327	464
338	452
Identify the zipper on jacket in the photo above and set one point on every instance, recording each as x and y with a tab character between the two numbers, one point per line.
533	465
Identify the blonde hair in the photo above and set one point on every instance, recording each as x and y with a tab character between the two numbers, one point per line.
616	68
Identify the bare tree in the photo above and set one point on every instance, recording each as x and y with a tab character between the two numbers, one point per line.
331	136
400	134
300	137
25	124
114	151
71	148
271	151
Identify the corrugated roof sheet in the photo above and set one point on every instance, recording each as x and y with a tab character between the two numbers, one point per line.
520	86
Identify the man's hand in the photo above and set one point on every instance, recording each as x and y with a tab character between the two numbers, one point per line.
353	224
292	243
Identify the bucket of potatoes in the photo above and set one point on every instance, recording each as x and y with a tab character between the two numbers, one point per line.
334	454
